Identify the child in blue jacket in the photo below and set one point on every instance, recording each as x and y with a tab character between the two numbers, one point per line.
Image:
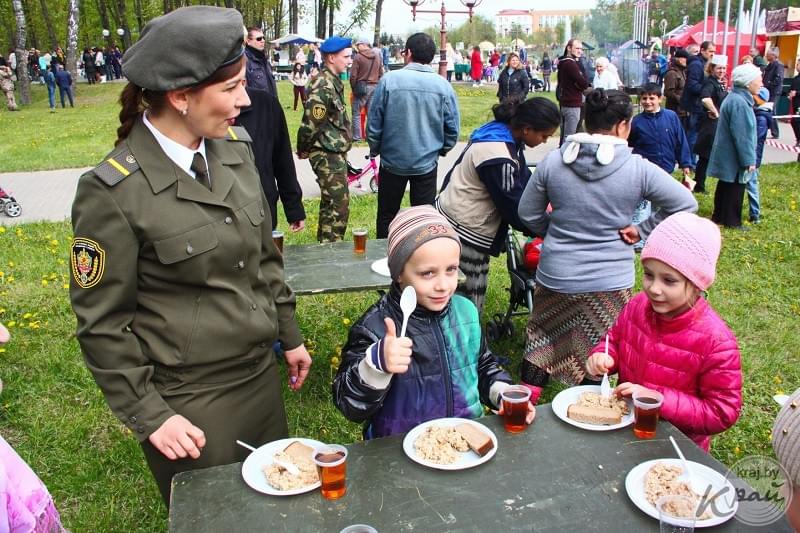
763	111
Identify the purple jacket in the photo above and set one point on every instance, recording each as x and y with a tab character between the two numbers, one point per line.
692	359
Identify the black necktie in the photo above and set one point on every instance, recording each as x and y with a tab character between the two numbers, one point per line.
201	170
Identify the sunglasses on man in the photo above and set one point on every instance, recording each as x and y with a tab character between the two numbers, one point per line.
261	38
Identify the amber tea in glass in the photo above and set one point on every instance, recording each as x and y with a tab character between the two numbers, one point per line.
331	464
515	408
277	238
646	408
360	241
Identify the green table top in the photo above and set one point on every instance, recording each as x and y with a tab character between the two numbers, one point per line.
333	267
545	479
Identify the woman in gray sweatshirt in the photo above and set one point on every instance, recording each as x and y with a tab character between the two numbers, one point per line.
586	273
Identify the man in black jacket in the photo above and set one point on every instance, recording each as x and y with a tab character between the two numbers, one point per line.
773	81
265	122
690	99
259	72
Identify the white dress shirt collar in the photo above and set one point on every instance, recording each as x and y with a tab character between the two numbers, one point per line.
178	153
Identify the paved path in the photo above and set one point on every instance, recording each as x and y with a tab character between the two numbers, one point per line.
48	195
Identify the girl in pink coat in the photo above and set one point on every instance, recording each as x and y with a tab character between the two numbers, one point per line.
669	339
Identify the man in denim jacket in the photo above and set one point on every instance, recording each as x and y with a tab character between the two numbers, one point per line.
413	120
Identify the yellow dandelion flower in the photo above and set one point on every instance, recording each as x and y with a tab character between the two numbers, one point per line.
737	451
2	311
45	283
11	264
779	391
10	279
777	380
65	286
61	262
2	273
334	361
11	323
26	316
2	229
54	242
2	350
18	232
346	321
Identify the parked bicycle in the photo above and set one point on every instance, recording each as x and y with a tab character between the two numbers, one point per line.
356	174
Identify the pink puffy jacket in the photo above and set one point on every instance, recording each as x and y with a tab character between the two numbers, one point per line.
692	359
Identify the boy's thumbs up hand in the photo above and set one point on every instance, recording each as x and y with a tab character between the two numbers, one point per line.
396	350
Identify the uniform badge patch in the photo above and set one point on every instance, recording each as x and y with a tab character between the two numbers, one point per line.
88	262
318	111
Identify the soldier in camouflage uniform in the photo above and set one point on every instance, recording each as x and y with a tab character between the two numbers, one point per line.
325	138
7	86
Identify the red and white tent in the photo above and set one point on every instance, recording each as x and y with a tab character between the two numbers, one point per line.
715	31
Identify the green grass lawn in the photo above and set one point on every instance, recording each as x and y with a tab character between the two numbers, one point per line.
52	412
35	139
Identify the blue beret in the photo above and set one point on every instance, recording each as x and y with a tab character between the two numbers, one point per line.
335	44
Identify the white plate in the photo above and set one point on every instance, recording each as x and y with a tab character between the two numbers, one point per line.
726	504
253	467
381	266
468	459
567	397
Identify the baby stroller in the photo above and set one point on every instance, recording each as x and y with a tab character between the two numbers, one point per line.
520	300
9	204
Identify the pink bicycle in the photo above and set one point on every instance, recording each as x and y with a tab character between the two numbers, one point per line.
355	174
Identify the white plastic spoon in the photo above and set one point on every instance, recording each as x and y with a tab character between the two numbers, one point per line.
289	467
605	386
686	476
408	302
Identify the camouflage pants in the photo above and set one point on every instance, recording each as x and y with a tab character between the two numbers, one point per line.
10	101
334	205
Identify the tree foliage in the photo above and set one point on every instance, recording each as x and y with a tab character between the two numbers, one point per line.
469	32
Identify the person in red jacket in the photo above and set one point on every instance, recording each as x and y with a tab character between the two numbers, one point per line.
669	339
476	65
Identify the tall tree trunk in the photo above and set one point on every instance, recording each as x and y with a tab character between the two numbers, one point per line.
103	12
21	52
122	13
73	19
322	17
48	22
137	7
167	6
378	9
294	16
331	11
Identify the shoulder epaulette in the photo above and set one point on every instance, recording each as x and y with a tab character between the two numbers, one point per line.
117	166
238	133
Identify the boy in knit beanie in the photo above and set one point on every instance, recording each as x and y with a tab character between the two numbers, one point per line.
442	366
669	339
786	443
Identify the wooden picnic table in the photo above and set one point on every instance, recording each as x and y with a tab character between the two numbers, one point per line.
333	267
552	477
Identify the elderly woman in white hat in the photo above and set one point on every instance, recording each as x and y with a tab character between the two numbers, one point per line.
733	157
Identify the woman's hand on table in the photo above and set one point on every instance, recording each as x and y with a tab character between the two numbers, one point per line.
628	389
598	364
299	362
630	234
396	350
178	438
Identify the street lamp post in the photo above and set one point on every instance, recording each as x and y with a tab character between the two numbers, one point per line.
470	4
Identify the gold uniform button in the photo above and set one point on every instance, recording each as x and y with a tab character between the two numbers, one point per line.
228	220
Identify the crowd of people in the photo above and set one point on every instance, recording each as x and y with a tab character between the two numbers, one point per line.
174	227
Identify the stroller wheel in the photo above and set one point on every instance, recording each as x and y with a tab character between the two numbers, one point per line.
373	184
13	209
492	332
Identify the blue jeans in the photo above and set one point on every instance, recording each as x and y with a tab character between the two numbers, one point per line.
753	197
51	95
641	214
694	129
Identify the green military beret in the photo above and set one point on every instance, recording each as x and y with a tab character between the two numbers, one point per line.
184	47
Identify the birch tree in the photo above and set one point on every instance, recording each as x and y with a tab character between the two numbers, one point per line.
73	18
21	52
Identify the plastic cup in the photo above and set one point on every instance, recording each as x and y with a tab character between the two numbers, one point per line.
646	408
676	514
277	238
331	461
360	241
359	528
515	407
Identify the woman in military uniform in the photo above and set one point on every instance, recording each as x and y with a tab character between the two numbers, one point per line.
177	286
325	138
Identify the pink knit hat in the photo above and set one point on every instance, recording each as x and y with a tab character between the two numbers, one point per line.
689	244
410	229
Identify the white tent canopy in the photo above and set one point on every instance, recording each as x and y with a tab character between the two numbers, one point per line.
293	38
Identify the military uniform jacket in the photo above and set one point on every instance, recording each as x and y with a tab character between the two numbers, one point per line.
171	276
326	125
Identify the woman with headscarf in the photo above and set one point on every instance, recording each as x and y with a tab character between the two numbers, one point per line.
733	157
586	272
712	93
176	283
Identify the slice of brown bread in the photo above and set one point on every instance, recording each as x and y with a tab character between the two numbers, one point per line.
600	416
298	450
478	441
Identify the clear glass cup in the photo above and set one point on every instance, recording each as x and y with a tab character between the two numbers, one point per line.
331	461
515	407
277	238
360	241
676	514
646	409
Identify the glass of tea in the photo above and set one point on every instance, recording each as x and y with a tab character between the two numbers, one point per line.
331	461
360	241
646	406
515	407
277	238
